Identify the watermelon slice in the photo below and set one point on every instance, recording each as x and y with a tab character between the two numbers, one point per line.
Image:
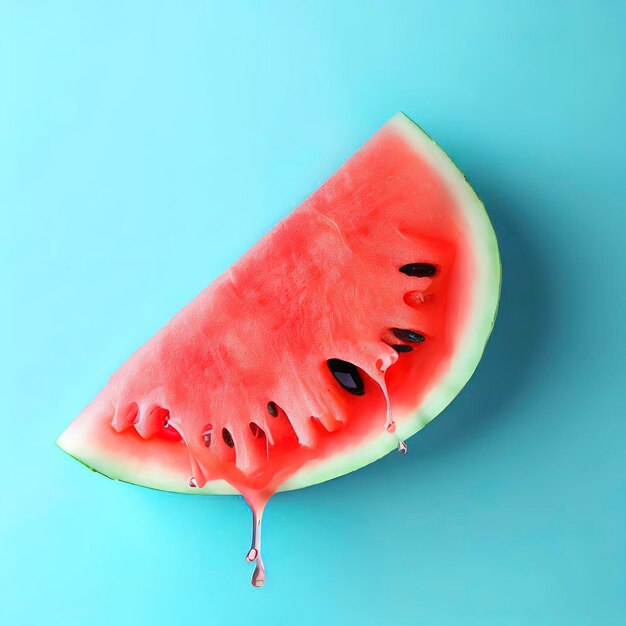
341	333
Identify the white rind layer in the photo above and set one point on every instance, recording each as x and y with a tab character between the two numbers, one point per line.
77	442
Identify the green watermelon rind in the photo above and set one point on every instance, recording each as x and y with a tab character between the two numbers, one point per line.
478	327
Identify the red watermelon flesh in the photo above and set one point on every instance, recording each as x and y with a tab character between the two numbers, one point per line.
344	330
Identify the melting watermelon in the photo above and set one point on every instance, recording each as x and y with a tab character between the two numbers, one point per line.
341	333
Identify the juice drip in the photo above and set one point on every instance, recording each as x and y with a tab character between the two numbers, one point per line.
254	554
197	475
390	425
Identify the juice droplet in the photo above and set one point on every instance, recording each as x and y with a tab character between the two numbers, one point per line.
193	482
252	555
258	577
402	447
390	427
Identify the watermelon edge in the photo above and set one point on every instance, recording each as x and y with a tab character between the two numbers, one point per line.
474	339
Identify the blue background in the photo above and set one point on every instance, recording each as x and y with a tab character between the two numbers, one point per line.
145	145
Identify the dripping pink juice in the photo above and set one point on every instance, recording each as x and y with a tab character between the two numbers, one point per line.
340	333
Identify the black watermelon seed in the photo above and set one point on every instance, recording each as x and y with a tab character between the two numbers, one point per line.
347	375
228	438
402	348
206	434
256	430
272	409
407	335
420	270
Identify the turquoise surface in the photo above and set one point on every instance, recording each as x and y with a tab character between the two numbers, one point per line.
145	145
